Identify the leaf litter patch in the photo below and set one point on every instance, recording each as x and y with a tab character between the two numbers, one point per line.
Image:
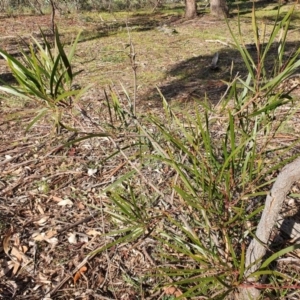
53	223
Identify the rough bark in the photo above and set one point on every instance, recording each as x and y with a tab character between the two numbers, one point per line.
257	248
219	8
190	9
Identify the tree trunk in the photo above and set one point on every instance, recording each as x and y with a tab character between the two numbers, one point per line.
190	9
219	8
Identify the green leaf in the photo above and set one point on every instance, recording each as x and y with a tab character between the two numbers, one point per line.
73	48
13	91
41	114
276	255
243	51
54	74
63	55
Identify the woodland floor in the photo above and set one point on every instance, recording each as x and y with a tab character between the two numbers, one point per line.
52	209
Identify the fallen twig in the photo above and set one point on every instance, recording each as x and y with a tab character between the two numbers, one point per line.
229	44
258	246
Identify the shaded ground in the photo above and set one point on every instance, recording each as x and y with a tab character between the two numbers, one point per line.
52	205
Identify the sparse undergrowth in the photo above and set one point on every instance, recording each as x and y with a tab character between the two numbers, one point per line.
151	205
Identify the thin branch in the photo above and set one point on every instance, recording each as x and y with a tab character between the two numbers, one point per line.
229	44
258	246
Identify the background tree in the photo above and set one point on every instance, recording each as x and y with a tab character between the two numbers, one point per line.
219	8
190	9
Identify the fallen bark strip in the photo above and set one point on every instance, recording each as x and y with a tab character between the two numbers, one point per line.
274	201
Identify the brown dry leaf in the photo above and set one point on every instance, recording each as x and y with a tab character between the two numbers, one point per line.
172	291
40	209
78	274
57	199
42	221
83	269
80	205
17	258
65	202
38	237
20	259
50	233
43	279
72	238
16	267
16	254
6	240
76	277
24	249
17	171
93	232
42	237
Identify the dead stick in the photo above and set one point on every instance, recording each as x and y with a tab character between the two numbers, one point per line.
85	220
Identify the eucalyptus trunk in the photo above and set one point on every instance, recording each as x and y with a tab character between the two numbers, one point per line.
190	9
219	8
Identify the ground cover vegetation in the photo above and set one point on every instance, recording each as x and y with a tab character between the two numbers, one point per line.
138	150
